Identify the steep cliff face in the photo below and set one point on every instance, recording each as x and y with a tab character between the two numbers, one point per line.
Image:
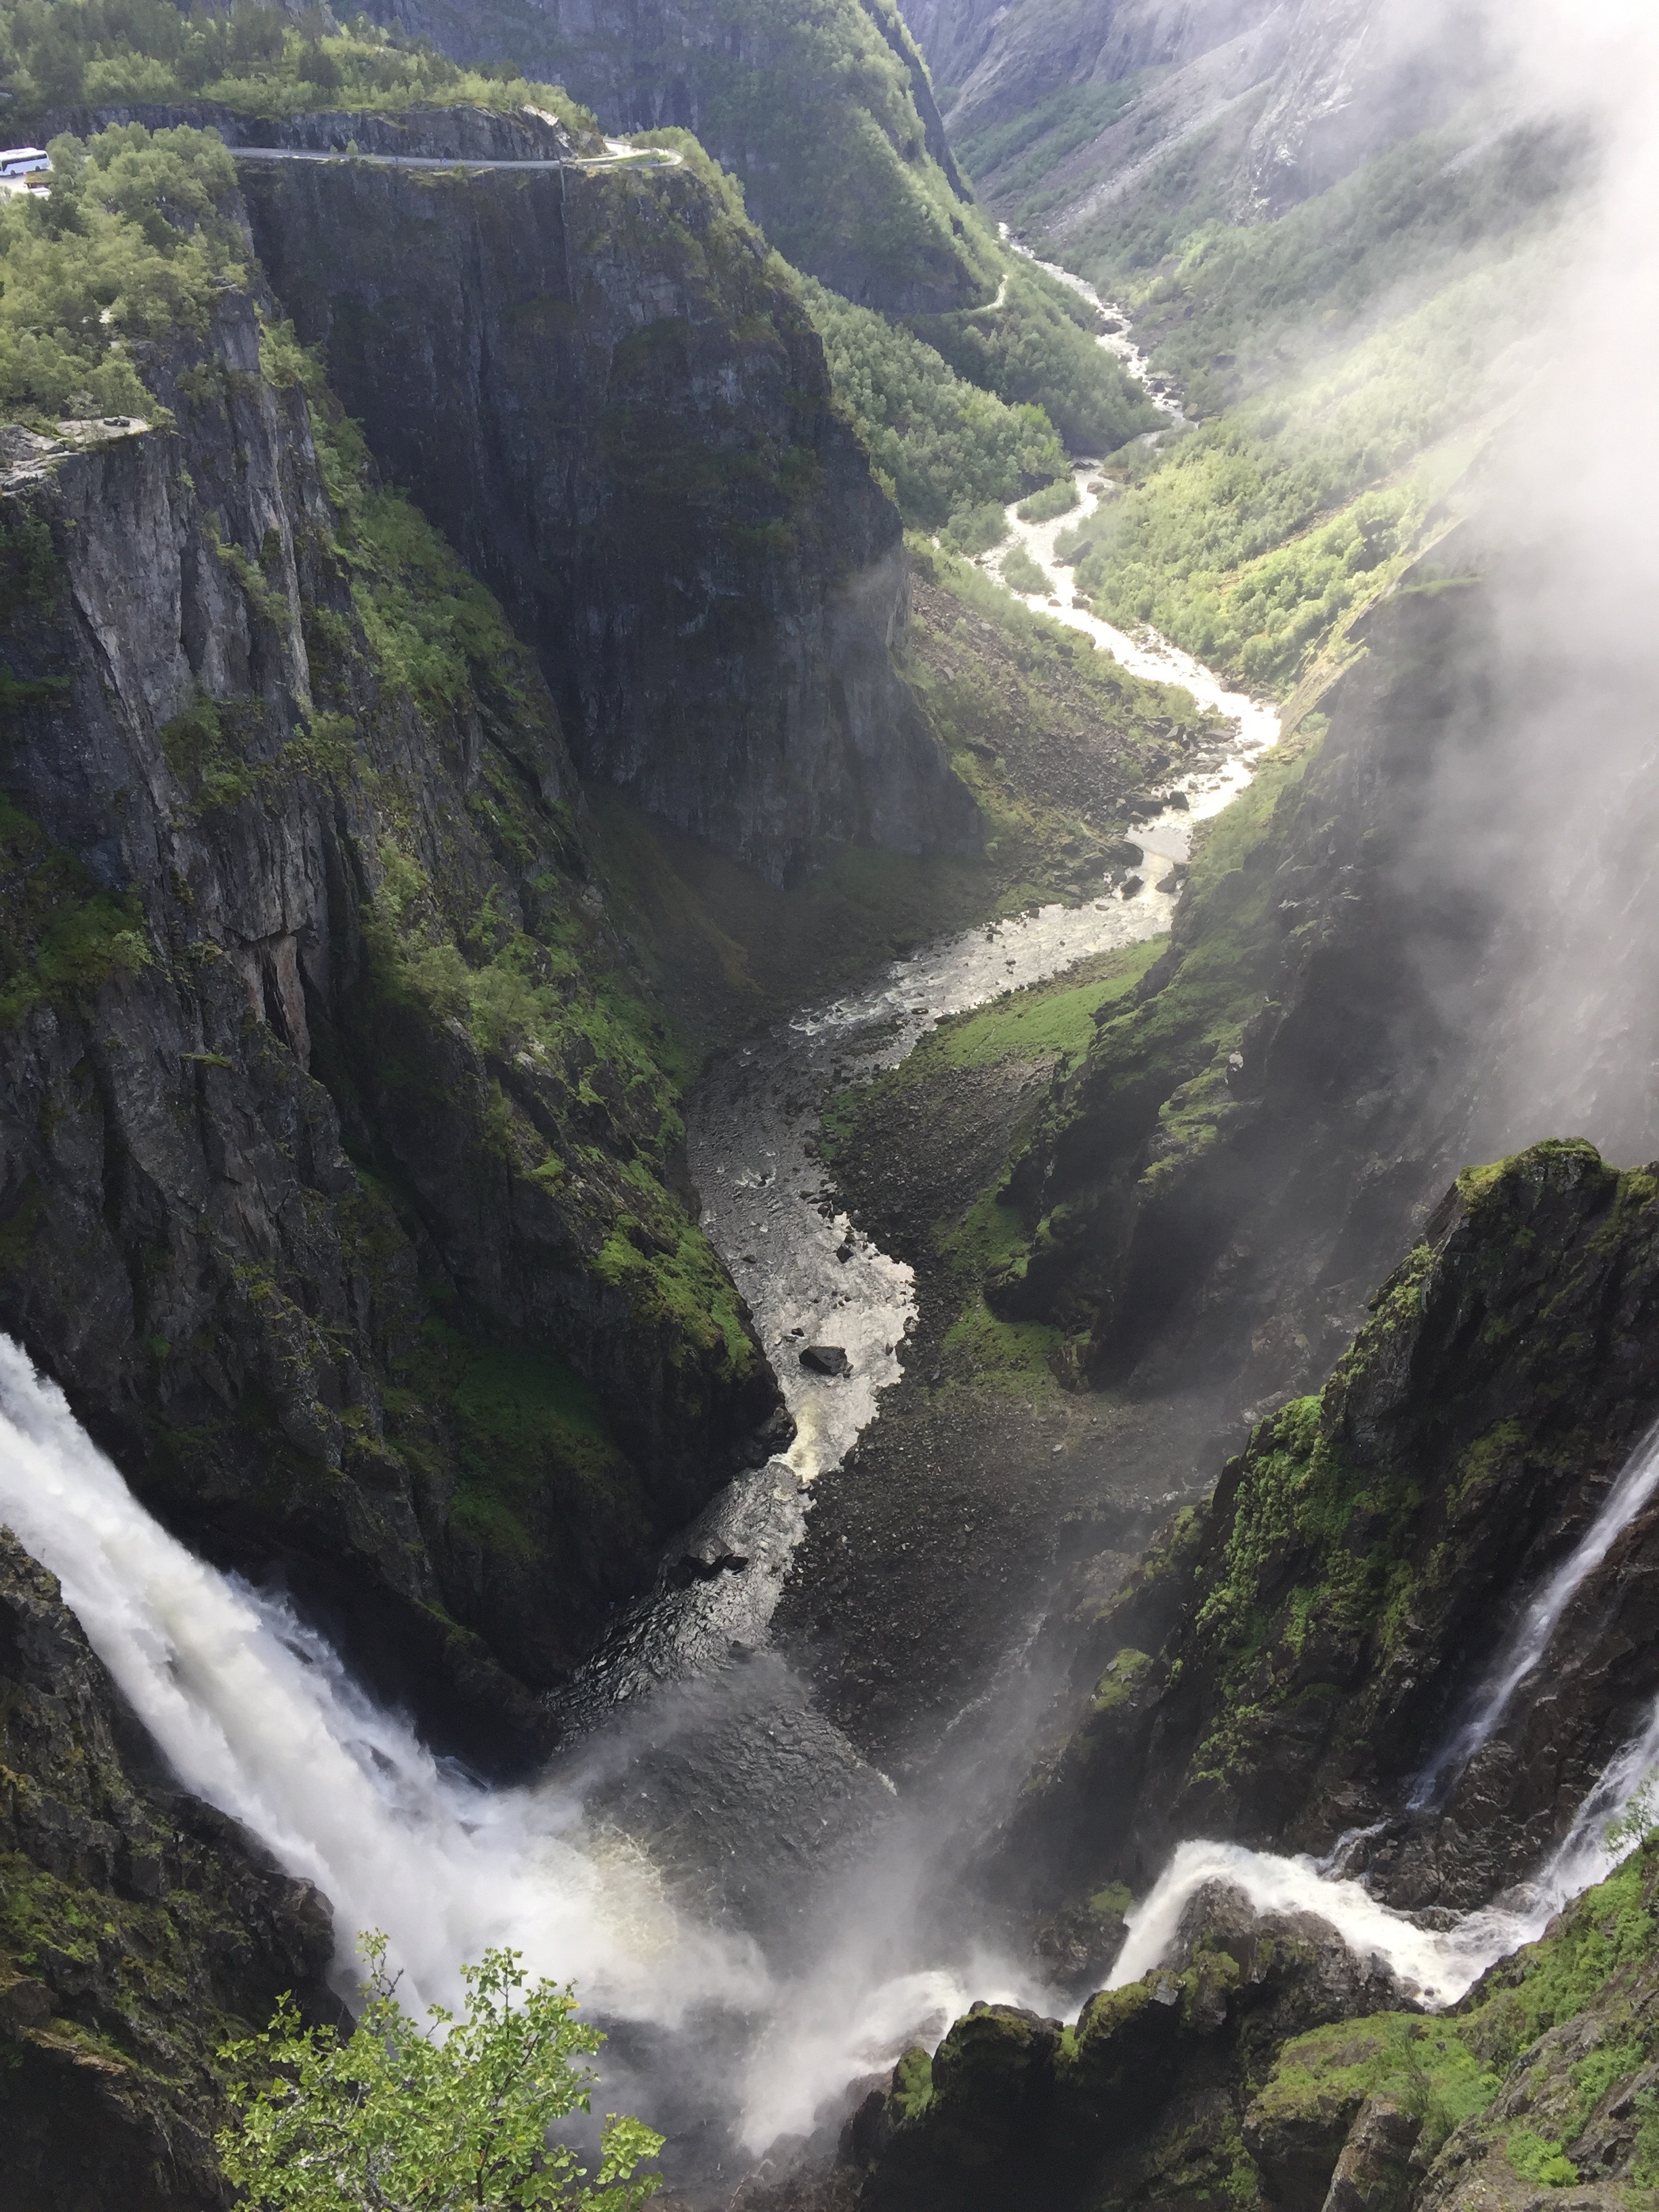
138	1930
598	385
332	1145
1283	1668
1245	1150
824	111
1284	1664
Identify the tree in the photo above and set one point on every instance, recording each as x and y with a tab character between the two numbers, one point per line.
401	2117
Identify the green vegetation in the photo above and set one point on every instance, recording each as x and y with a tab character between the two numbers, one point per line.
253	58
1339	354
1055	1019
1251	538
1234	304
1011	161
538	985
1055	499
1051	737
1049	1023
1593	1969
452	2118
134	245
1037	348
61	936
1021	572
1158	1069
812	104
527	1430
976	529
940	445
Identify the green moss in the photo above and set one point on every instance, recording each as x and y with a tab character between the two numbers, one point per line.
144	1960
527	1428
1427	2066
62	936
1116	1686
912	2083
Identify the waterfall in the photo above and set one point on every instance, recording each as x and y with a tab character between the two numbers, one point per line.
1529	1638
256	1714
1436	1966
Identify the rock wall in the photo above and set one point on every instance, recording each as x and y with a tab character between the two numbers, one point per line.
1270	101
1245	1151
332	1150
139	1928
1282	1665
596	383
867	197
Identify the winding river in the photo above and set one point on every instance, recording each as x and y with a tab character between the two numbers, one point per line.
752	1906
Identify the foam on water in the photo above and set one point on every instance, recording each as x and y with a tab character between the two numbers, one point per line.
258	1715
1530	1639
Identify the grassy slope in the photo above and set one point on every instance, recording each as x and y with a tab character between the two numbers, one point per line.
1346	359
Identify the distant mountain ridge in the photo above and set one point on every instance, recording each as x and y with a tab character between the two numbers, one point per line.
1279	99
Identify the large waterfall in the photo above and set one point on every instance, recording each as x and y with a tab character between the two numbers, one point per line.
256	1714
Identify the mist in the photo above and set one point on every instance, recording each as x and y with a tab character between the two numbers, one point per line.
1542	812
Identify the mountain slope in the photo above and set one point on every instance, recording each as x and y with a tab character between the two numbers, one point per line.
820	108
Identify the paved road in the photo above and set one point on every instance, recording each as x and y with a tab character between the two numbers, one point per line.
643	157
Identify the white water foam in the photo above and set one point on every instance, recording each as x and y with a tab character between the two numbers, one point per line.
1436	1966
258	1715
1530	1639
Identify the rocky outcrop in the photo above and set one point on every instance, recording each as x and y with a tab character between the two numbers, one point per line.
139	1928
867	197
1250	2067
596	385
1148	2089
332	1150
1284	1662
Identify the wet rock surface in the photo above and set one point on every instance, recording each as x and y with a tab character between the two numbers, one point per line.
1461	1449
137	1928
1151	2082
238	1150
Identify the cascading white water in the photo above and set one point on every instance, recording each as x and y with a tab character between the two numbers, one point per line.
1530	1639
258	1715
1438	1965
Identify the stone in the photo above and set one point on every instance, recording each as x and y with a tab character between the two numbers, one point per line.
825	1359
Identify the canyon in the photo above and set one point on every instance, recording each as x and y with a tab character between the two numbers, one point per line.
883	1277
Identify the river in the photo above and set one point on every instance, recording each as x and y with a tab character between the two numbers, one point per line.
757	1913
703	1746
760	1916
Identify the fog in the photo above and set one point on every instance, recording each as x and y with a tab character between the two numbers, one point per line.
1545	807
